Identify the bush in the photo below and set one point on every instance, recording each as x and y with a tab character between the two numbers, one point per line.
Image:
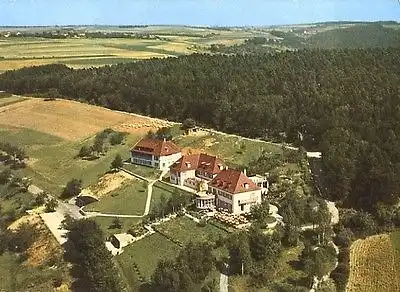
117	138
340	275
72	189
344	237
202	223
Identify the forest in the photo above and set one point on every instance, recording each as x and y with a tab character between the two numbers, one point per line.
344	102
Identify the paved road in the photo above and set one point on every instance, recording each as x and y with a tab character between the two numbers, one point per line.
223	283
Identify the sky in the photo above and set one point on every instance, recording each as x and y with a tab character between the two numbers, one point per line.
193	12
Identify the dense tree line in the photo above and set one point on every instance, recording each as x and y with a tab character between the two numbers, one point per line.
93	264
194	262
343	102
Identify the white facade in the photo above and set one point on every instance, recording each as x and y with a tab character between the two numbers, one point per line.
236	203
166	161
179	178
162	163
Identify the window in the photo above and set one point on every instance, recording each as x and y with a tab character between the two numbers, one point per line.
241	207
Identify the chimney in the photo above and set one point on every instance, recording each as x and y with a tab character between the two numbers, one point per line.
245	172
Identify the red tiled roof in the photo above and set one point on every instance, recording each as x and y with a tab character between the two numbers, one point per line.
233	181
156	147
210	164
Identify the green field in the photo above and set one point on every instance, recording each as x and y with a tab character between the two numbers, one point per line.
10	100
147	172
184	230
232	149
17	202
106	222
14	276
145	254
53	161
130	199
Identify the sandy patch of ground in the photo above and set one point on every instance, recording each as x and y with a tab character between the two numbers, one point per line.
71	120
45	246
108	183
30	219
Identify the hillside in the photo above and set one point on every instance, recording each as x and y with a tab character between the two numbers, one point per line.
358	36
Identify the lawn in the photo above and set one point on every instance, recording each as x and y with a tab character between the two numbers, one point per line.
232	149
15	203
145	254
147	172
129	199
287	265
106	222
10	100
184	230
163	190
15	276
53	161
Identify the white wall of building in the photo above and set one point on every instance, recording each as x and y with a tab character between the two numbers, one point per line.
234	202
166	161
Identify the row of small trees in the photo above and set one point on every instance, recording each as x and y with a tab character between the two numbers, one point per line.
13	155
100	142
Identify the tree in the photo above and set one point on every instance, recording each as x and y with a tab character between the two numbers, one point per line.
97	270
5	176
85	151
72	189
117	223
98	145
260	213
199	253
21	239
117	138
291	235
166	277
51	205
188	123
117	162
41	199
239	253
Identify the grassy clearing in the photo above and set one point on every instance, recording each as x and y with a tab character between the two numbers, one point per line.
233	150
287	262
15	276
106	222
145	254
10	100
53	160
163	190
130	199
374	264
15	203
184	230
147	172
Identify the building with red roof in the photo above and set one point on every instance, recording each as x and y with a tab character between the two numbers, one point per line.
192	169
155	153
234	191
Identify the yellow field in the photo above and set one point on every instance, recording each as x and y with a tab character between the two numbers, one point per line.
71	120
93	52
373	265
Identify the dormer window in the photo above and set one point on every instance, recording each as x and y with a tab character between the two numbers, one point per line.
246	186
220	166
188	164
